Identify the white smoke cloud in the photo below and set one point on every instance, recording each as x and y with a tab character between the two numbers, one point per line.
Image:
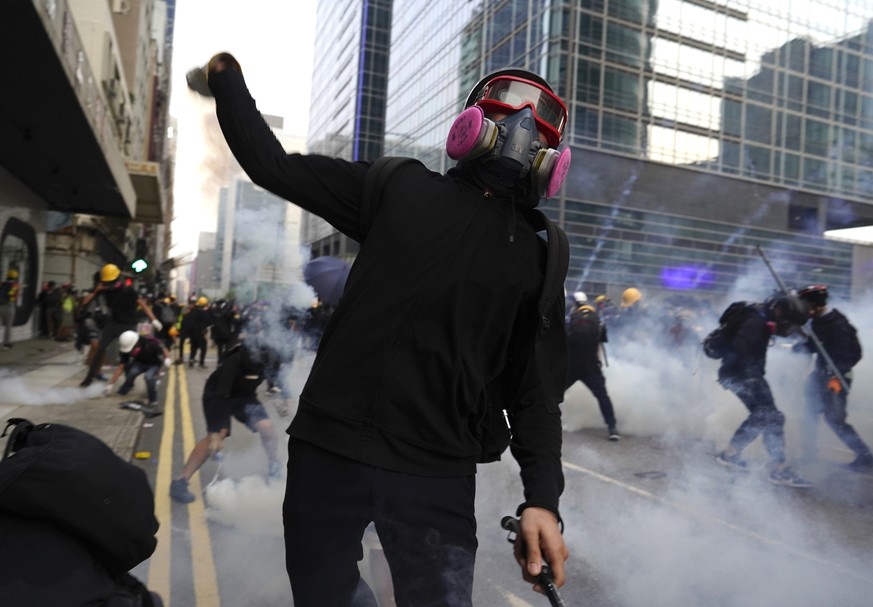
704	535
17	390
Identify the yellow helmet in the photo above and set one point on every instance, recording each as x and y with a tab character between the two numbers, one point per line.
587	308
630	296
601	299
109	272
173	331
202	301
12	274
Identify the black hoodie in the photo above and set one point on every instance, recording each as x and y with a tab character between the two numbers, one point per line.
437	322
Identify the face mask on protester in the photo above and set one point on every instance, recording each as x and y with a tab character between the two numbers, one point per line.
509	148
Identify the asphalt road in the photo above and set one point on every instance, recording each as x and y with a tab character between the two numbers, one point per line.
651	520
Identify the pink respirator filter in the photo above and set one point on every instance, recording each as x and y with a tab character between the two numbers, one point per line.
466	132
559	173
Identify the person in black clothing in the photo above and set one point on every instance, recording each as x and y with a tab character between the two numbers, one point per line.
742	372
224	329
168	315
824	391
433	338
196	323
122	300
585	336
185	328
140	355
230	391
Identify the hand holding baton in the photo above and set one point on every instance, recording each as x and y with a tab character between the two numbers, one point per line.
545	579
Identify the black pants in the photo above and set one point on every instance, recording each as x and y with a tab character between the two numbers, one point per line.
198	343
587	370
764	418
108	334
822	402
427	528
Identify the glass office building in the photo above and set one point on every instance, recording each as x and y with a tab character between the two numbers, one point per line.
700	129
349	86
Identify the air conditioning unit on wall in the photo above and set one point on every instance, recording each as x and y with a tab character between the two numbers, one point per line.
122	7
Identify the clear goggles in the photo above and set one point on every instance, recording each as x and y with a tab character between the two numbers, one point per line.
511	93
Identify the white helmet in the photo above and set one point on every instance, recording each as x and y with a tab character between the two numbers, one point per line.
127	340
580	298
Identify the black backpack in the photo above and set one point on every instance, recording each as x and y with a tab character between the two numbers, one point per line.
66	486
585	328
74	481
717	343
495	431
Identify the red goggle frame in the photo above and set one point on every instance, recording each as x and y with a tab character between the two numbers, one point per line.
511	93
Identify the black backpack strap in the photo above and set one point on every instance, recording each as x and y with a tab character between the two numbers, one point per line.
557	263
18	436
374	182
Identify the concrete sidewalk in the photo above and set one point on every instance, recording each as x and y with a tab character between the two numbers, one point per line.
39	381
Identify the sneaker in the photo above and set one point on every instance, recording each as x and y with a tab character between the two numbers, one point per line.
731	461
789	478
179	491
273	390
274	470
862	463
152	410
7	346
85	382
190	364
202	366
614	435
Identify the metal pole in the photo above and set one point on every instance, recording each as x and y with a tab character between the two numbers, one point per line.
810	333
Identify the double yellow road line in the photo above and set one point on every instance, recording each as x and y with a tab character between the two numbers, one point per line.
203	566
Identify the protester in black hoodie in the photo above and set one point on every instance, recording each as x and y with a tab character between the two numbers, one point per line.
230	392
742	372
432	339
824	391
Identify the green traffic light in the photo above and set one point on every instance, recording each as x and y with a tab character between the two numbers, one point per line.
139	265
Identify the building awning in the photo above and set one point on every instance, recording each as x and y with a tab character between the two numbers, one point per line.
56	133
148	185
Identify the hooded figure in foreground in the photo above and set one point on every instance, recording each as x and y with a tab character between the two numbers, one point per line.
432	341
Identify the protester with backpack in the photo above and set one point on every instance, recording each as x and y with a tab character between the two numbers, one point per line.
436	335
585	338
824	391
747	335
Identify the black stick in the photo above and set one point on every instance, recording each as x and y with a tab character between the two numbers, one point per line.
545	578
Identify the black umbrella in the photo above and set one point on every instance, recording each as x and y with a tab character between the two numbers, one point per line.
327	277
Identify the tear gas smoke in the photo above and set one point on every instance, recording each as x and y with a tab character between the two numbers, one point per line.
677	548
16	390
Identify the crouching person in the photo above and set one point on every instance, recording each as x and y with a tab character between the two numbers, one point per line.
140	355
230	391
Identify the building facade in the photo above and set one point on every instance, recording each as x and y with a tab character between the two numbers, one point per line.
700	130
352	48
84	164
